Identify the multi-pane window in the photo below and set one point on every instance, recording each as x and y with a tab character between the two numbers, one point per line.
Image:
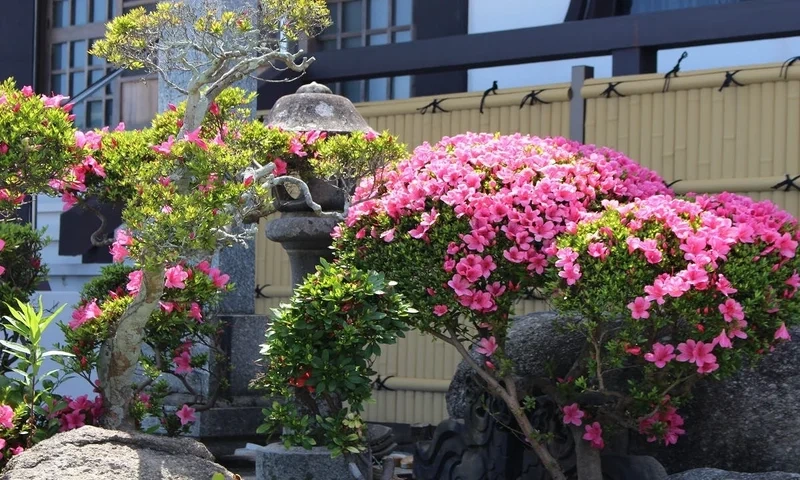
360	23
76	25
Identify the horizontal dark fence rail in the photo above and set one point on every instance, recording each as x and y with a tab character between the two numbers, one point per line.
746	21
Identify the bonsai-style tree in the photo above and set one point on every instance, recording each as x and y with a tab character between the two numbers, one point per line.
188	202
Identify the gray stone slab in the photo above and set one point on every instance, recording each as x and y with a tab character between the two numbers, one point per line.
240	263
229	422
247	334
275	462
716	474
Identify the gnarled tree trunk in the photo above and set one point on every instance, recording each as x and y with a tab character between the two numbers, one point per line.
119	354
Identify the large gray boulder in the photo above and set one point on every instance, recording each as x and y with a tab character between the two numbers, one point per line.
747	423
91	453
537	343
715	474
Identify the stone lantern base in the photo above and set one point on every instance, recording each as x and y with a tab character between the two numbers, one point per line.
306	238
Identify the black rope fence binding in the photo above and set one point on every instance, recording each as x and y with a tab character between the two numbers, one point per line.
787	184
260	291
532	99
785	66
670	184
730	80
435	106
379	384
673	72
491	90
612	88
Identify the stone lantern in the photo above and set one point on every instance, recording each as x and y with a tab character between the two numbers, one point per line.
305	236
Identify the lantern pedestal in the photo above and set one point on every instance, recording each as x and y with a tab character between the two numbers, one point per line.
306	239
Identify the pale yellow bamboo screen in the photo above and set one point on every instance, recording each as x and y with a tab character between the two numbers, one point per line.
742	139
422	369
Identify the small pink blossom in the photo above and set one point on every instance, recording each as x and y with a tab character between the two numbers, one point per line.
175	277
598	250
639	308
388	235
167	306
196	313
135	282
782	333
6	416
731	310
723	340
72	420
370	135
17	450
118	252
220	279
440	310
183	363
280	167
27	91
204	267
573	415
661	355
594	434
166	209
194	137
487	346
165	148
186	414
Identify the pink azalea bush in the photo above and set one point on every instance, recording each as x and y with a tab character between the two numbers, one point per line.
682	289
467	225
183	320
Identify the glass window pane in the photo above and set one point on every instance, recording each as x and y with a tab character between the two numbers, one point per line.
377	89
77	56
352	90
404	36
95	114
58	83
351	16
77	83
59	56
378	13
80	115
110	85
110	113
327	45
94	76
80	13
401	87
60	14
334	27
402	12
351	42
99	11
380	39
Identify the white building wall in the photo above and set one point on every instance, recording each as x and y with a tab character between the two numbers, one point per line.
495	15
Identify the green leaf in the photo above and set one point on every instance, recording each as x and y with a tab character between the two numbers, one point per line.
16	347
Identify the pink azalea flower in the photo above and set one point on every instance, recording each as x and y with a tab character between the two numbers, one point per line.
661	355
183	363
6	417
167	306
27	90
194	137
573	415
2	445
204	267
17	450
81	403
594	434
370	136
698	353
639	307
487	346
782	333
439	310
118	252
123	237
722	340
3	148
571	273
2	244
165	148
724	286
219	279
598	250
196	313
186	414
296	148
175	277
731	310
388	235
280	167
166	209
72	420
135	282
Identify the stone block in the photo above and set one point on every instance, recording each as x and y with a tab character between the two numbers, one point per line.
240	263
247	333
276	462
